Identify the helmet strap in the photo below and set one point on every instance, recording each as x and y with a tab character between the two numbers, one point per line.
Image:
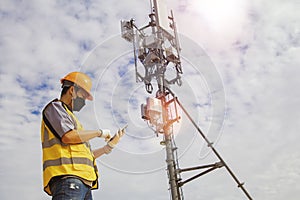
67	84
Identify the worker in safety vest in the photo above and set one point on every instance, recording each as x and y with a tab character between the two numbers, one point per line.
69	166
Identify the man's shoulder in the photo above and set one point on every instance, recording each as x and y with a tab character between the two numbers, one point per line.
54	104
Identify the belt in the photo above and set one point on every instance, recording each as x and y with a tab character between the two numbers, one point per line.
57	178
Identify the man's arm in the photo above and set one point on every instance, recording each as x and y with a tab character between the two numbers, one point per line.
76	137
110	144
103	150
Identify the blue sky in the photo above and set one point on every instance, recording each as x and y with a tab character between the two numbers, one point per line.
251	47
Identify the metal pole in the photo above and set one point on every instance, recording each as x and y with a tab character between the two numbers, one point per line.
170	158
171	167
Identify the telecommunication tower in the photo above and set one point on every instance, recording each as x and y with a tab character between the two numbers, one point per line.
156	46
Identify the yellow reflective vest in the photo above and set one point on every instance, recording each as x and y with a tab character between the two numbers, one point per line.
61	159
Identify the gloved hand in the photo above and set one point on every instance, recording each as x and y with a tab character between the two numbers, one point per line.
116	138
105	133
107	149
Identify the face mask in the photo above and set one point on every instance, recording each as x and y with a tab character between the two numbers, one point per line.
78	103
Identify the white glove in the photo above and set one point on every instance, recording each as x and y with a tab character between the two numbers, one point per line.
116	138
105	133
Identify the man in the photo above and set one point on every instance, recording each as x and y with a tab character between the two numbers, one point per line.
69	166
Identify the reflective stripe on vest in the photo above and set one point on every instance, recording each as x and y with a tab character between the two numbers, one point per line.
63	159
49	143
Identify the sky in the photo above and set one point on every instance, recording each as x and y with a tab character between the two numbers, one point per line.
240	75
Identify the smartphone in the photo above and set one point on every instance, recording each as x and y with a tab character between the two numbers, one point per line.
121	130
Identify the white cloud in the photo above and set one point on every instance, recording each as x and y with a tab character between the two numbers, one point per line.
255	50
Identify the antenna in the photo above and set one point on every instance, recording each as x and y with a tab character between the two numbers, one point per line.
156	46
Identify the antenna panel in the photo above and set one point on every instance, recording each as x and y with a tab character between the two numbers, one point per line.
161	14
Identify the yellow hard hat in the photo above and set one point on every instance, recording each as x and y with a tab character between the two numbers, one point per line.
80	79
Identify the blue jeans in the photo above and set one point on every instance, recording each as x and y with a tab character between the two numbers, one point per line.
70	189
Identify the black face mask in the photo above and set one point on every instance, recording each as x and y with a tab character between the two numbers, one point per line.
78	103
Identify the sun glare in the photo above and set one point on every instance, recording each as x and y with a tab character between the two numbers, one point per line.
220	14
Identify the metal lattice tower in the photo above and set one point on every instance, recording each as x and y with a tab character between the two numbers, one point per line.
156	47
